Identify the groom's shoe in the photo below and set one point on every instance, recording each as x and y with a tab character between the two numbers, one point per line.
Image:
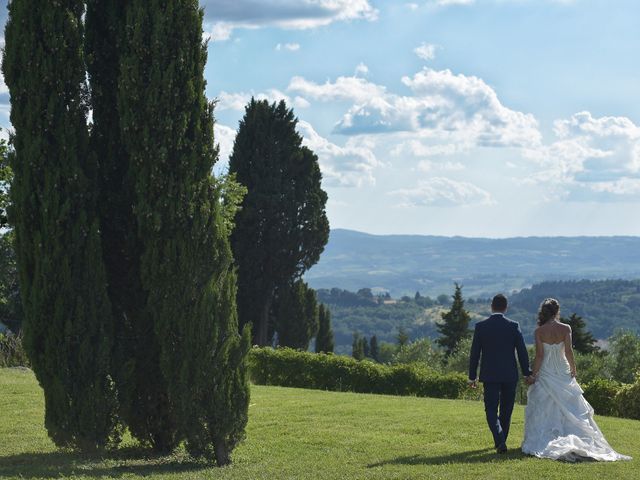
502	448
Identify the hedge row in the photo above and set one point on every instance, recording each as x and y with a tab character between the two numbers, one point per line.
608	397
290	368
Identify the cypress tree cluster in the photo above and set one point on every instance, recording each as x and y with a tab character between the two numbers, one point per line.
455	324
282	227
67	330
324	338
132	205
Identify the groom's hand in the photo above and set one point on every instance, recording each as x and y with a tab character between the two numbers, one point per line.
472	383
530	380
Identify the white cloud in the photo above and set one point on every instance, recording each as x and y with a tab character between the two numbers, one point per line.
224	137
415	148
350	166
291	47
353	89
592	158
362	70
425	51
412	6
443	192
223	16
446	3
238	100
443	105
430	166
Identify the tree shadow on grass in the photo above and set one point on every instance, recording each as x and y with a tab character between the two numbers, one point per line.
485	455
133	460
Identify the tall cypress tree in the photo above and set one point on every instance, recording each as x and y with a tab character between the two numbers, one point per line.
374	350
455	324
583	339
296	315
282	227
357	347
67	323
166	124
142	388
324	338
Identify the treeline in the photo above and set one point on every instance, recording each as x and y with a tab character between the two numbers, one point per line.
605	306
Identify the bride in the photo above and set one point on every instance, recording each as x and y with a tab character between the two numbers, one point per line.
558	420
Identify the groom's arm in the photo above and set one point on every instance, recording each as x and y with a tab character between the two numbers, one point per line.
474	357
523	355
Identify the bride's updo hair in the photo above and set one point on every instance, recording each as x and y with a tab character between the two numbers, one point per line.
549	309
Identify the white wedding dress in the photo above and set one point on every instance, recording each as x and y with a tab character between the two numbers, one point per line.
558	420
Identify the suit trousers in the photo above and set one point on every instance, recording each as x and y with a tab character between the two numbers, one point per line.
502	396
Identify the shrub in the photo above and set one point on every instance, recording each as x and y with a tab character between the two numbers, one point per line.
594	366
601	395
421	351
289	368
12	353
627	400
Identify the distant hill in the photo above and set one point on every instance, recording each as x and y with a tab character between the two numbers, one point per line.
404	264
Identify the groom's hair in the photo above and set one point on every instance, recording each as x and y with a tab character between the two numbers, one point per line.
499	303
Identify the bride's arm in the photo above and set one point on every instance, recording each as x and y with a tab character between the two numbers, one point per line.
539	353
568	350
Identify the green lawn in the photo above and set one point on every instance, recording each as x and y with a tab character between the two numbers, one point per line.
307	434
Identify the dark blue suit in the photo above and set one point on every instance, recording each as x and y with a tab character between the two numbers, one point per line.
496	341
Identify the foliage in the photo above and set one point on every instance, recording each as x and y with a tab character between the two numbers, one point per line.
186	261
455	324
11	312
382	320
627	400
62	278
296	315
458	361
402	337
291	368
625	349
12	352
281	228
601	394
324	338
592	366
606	305
421	351
583	340
357	347
374	351
345	298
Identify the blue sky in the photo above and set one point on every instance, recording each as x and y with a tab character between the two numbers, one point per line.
489	118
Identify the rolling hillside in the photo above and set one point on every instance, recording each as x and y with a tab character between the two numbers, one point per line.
404	264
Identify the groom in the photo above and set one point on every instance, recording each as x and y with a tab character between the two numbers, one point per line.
495	342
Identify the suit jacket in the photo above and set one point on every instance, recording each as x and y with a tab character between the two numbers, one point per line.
496	341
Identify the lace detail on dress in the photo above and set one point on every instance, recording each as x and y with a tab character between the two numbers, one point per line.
558	420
